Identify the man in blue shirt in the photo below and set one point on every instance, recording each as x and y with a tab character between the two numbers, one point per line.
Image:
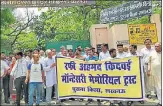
91	56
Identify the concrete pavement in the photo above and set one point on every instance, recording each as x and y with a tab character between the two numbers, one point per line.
152	102
148	102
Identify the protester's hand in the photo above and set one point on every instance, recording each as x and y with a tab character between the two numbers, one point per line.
26	81
148	72
52	65
5	73
43	81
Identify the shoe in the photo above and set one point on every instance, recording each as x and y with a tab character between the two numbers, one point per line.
112	104
80	100
156	96
37	105
44	100
98	100
7	102
120	104
149	96
63	100
90	100
142	102
129	103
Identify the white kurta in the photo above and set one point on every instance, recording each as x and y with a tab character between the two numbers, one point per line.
149	80
103	55
156	66
4	67
145	54
121	55
50	72
156	72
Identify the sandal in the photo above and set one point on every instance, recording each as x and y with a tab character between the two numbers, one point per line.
129	103
142	102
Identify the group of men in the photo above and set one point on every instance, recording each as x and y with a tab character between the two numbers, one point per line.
35	72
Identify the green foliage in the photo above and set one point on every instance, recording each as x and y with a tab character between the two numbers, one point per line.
69	23
26	41
7	17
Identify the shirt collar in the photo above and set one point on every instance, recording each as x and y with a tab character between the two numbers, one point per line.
133	54
149	49
92	57
121	53
106	52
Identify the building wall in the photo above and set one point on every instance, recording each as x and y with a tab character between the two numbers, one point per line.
99	34
118	33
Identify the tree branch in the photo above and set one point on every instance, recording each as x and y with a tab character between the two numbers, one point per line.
25	26
15	30
18	28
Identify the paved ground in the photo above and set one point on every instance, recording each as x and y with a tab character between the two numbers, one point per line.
151	102
148	102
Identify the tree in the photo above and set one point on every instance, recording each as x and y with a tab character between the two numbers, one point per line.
58	24
7	17
70	23
26	41
13	26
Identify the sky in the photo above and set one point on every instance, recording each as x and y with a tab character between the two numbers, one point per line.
22	11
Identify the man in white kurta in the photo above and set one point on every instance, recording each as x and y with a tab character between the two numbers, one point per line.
154	69
49	67
148	80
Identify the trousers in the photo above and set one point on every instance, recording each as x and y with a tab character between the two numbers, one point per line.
48	94
32	87
19	85
149	83
6	87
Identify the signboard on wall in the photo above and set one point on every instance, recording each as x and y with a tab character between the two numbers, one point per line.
139	32
99	48
126	11
69	47
124	42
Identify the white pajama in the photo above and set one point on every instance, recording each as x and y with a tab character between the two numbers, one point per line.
156	72
48	94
